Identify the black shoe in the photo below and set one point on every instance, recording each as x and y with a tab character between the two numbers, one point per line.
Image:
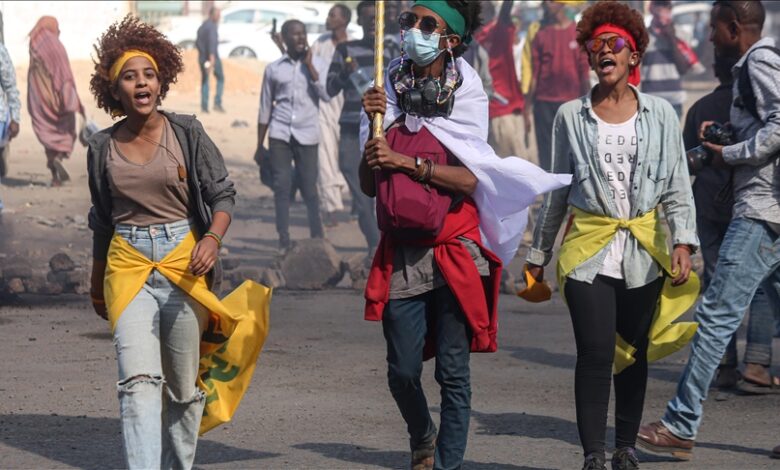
594	462
218	108
4	161
624	458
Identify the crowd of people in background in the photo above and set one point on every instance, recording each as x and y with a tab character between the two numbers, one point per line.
603	95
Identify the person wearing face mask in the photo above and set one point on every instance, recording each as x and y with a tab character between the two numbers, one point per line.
434	286
626	151
161	203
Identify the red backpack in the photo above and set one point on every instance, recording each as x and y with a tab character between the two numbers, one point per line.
405	208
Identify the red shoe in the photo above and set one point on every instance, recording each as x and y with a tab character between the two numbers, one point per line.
656	437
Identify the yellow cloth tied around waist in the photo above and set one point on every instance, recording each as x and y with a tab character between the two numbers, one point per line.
590	233
237	327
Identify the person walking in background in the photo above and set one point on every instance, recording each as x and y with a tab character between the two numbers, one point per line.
331	182
352	71
506	122
52	100
614	268
293	87
664	64
750	253
207	43
560	73
10	109
714	196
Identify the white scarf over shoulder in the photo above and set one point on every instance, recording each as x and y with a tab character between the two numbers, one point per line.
506	187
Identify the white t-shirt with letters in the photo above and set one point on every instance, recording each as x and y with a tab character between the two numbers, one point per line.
616	154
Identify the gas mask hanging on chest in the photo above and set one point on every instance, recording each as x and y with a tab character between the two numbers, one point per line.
427	99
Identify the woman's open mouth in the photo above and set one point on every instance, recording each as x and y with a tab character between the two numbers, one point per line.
142	98
607	65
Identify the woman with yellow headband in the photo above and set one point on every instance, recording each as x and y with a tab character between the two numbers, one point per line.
158	184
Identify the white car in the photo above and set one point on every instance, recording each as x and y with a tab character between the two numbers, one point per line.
241	26
258	44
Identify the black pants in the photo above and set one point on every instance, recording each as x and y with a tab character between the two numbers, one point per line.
306	171
544	115
598	310
349	164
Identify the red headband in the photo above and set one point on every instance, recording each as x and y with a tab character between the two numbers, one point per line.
633	76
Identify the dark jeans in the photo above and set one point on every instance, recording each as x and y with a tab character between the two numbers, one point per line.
362	205
306	171
204	84
405	324
544	115
762	308
598	310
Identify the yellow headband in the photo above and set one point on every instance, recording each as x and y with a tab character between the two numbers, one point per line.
116	67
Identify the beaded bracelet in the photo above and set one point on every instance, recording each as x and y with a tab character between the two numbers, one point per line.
419	169
215	237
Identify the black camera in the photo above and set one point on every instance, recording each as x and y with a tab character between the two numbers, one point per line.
423	100
716	133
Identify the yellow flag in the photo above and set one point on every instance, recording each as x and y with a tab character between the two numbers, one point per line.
237	328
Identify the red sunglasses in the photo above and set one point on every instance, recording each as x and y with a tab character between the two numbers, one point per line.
615	43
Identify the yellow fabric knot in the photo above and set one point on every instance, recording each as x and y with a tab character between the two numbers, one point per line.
237	328
590	233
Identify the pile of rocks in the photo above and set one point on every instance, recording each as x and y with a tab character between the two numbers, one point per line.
311	264
18	276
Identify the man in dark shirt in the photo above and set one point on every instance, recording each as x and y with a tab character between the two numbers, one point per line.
208	58
352	70
714	198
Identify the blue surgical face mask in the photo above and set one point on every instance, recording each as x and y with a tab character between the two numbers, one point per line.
421	49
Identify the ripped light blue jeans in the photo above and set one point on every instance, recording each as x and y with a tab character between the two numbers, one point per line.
157	340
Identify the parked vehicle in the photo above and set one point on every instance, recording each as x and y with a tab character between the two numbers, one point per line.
258	43
244	29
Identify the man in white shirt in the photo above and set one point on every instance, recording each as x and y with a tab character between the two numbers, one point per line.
331	182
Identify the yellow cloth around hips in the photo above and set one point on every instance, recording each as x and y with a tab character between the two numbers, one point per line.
237	328
590	233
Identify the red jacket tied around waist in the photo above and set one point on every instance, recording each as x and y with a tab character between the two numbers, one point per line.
477	297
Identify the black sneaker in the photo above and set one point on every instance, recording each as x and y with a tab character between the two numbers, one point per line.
218	108
594	462
624	458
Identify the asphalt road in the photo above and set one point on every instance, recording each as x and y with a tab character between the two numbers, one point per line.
319	397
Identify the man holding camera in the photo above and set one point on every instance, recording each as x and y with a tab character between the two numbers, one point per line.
714	196
750	253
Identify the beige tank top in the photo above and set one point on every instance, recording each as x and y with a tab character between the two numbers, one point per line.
153	193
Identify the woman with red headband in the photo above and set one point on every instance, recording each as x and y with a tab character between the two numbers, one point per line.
622	287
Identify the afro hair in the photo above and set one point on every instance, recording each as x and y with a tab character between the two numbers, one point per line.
132	33
616	13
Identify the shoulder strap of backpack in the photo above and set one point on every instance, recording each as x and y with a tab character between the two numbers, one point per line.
745	87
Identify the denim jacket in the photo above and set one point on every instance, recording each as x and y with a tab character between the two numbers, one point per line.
661	176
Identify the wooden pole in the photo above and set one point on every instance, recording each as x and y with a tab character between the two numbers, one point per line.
379	63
